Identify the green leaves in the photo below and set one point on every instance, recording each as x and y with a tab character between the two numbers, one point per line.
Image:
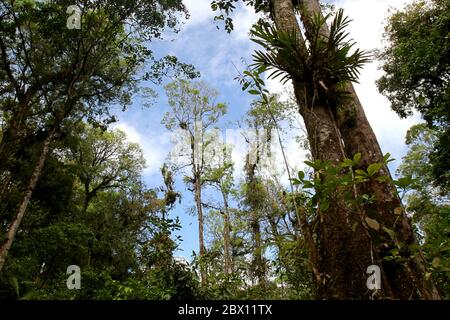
357	158
326	60
390	232
301	175
372	223
373	169
280	48
404	183
416	72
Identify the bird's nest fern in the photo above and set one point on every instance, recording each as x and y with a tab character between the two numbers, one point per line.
325	63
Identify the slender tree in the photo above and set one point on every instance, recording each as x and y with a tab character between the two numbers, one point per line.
219	174
193	110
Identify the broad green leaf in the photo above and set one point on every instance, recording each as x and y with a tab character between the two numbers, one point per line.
390	232
374	168
436	262
347	163
372	223
310	164
357	158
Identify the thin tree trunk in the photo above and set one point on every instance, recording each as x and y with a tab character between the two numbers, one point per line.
254	206
202	249
226	235
258	262
15	223
406	279
258	266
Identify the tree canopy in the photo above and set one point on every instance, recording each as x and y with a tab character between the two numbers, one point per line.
116	161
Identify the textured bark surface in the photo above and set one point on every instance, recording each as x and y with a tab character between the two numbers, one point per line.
344	253
406	280
345	249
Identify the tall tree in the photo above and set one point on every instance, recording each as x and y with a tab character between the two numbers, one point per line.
104	160
337	129
358	137
219	174
52	78
194	110
428	205
416	62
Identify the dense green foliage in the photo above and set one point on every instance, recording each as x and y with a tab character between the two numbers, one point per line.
91	207
429	206
416	61
115	229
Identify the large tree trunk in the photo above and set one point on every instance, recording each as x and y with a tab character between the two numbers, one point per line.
345	248
15	223
406	279
344	254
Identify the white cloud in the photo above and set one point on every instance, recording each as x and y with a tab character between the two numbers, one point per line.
200	11
155	147
243	20
132	135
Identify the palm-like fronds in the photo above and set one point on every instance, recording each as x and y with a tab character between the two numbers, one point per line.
325	59
281	54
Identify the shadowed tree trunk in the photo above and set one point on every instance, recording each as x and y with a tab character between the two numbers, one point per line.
345	253
406	280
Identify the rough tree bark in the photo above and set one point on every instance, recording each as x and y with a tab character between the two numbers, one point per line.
406	280
344	253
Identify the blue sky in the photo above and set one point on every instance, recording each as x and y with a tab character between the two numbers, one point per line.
215	54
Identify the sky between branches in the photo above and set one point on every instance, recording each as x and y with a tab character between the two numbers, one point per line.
216	55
